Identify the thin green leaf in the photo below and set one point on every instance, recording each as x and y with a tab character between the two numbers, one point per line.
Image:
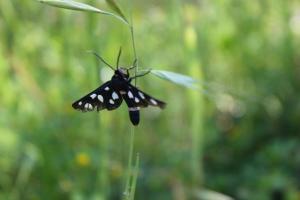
179	79
114	6
211	195
73	5
134	177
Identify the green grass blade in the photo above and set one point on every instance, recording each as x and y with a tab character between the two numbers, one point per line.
73	5
127	191
177	78
205	194
134	177
114	6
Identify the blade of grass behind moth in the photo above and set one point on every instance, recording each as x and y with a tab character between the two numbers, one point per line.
177	78
73	5
210	195
186	81
114	6
103	141
209	89
134	177
130	170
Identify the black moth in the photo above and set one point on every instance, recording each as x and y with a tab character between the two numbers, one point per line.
111	94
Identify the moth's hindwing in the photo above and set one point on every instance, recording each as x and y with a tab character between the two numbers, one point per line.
137	98
104	97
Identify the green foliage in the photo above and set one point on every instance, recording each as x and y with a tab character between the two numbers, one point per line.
239	138
116	8
73	5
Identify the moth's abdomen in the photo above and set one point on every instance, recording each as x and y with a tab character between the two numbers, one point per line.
134	114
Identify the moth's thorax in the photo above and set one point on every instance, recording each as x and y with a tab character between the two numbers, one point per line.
121	73
120	78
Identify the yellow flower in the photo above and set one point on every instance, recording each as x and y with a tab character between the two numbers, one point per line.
83	159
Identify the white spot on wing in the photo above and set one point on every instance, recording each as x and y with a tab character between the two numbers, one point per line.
111	101
90	106
106	88
130	95
93	96
80	103
86	105
136	100
134	108
153	101
100	97
141	95
115	95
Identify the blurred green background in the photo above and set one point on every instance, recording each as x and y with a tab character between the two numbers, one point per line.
238	136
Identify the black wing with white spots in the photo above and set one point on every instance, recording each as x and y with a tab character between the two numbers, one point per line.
104	97
137	98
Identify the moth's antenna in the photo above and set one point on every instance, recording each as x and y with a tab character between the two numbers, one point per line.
100	58
119	55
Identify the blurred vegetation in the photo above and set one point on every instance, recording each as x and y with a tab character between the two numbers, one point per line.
238	136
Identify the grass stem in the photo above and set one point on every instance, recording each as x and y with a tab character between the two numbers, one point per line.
132	174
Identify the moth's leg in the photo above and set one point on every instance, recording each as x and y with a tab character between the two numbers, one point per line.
133	65
140	75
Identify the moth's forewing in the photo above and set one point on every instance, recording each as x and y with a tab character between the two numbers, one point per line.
104	97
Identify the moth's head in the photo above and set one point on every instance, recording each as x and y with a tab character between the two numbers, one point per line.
123	72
